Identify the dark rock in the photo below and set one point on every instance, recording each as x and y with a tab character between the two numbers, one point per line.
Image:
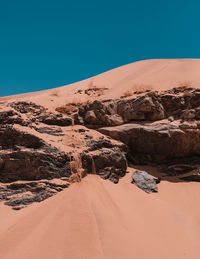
188	114
109	163
90	118
33	165
144	181
55	119
11	138
25	107
11	117
97	144
26	156
178	169
160	142
81	130
19	195
117	112
18	207
50	131
141	108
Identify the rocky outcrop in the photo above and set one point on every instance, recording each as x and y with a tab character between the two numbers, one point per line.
55	119
27	107
20	194
145	181
117	112
109	163
25	156
159	128
151	106
10	117
142	108
35	113
158	142
33	153
54	131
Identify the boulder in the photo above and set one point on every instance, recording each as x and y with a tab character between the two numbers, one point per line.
145	181
141	108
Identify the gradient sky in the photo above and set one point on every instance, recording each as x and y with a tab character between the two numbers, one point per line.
45	44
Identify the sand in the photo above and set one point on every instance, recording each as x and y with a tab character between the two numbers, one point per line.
96	218
155	74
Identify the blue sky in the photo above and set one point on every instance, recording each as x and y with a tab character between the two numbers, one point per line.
45	44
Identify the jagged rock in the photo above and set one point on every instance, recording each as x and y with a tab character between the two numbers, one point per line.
141	108
10	117
90	118
50	131
33	165
11	138
117	112
109	163
26	156
157	142
20	194
178	169
55	119
188	114
145	181
97	144
173	103
37	113
113	120
149	107
25	107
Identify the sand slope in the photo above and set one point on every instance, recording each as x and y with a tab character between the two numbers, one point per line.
97	219
155	74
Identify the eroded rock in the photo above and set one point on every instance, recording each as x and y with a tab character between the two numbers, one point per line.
109	163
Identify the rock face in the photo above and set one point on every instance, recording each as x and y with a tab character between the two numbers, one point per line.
109	163
151	106
24	156
158	142
117	112
160	128
20	194
145	181
33	153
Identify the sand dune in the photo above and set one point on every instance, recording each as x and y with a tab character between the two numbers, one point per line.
97	219
155	74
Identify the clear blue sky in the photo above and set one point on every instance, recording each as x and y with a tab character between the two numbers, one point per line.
45	43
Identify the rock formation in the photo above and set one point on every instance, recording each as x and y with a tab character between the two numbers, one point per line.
153	128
